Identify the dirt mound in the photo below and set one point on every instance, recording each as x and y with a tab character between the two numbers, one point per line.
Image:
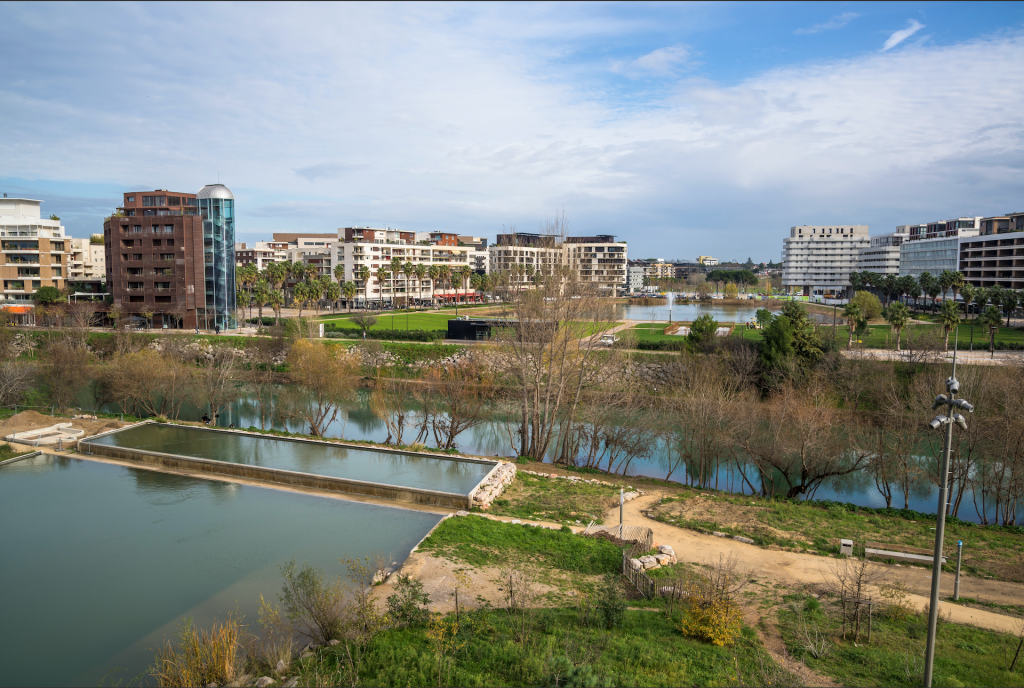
31	420
725	514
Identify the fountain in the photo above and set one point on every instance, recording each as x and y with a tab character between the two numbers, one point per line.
670	299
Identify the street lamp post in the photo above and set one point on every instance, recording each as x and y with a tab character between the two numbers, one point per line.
946	422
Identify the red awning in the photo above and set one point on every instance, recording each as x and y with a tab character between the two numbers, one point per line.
17	310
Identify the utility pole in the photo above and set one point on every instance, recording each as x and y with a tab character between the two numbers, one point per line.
946	422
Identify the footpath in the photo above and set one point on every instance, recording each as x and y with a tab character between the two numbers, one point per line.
796	569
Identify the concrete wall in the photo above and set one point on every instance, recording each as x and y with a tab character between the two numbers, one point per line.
283	477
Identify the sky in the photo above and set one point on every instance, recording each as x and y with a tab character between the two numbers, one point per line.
683	129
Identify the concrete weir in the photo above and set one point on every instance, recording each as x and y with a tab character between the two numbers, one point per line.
281	476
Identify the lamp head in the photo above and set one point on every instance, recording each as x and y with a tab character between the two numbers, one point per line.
953	385
939	401
962	403
960	421
937	422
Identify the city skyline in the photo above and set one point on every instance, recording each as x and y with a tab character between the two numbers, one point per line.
681	129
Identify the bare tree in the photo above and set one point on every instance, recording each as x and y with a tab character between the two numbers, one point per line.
15	380
259	377
800	438
457	404
894	463
216	379
391	401
82	316
325	379
64	371
548	351
148	383
851	580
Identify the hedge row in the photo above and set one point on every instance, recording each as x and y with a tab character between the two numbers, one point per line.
397	335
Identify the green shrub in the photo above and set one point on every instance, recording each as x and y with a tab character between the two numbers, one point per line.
610	603
407	606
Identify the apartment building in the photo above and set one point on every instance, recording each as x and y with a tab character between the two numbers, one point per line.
374	248
996	256
87	260
260	253
598	259
479	257
882	256
935	246
707	261
33	251
817	259
171	254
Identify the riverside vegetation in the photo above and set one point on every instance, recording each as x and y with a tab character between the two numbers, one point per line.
786	415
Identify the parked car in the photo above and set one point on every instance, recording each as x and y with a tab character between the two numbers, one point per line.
608	339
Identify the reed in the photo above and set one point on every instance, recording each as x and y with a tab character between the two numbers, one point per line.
200	657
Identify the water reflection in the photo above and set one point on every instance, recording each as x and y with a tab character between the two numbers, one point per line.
389	468
492	439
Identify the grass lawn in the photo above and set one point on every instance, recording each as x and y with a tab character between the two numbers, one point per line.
482	542
421	320
552	499
9	452
561	647
653	332
964	655
881	337
993	551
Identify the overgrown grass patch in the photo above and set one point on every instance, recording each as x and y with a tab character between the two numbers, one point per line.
964	655
483	542
647	650
555	499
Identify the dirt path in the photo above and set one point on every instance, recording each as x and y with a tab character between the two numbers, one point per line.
791	568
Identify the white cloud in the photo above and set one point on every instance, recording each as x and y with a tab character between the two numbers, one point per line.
836	22
660	62
913	26
360	114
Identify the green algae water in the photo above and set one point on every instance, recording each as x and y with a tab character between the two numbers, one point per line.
99	563
404	470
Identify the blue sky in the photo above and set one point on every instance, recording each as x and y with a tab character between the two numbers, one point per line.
684	129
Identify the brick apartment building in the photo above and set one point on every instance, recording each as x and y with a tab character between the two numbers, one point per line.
172	254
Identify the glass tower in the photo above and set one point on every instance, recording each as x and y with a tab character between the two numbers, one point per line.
217	206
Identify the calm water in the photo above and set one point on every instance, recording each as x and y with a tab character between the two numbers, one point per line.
103	561
491	439
405	470
688	312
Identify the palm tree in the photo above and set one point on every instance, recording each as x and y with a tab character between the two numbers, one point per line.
276	299
897	315
364	275
421	272
945	282
382	275
1010	300
853	315
261	293
957	283
247	276
408	269
435	273
445	275
332	290
349	290
949	317
302	293
395	268
992	319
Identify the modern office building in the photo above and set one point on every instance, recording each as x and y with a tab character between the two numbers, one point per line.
882	256
996	257
33	254
171	255
707	261
217	207
817	259
937	248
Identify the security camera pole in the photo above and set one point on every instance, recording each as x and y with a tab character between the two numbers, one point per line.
946	421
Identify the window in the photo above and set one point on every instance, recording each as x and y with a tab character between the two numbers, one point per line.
174	200
130	199
153	200
166	256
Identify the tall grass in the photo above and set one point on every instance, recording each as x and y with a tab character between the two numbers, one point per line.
200	657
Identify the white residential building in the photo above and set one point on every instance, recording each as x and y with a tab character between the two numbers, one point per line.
87	261
375	248
935	246
33	251
599	259
817	259
261	253
883	255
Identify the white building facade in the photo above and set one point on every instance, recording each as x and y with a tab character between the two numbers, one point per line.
87	261
817	259
882	256
598	259
33	250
